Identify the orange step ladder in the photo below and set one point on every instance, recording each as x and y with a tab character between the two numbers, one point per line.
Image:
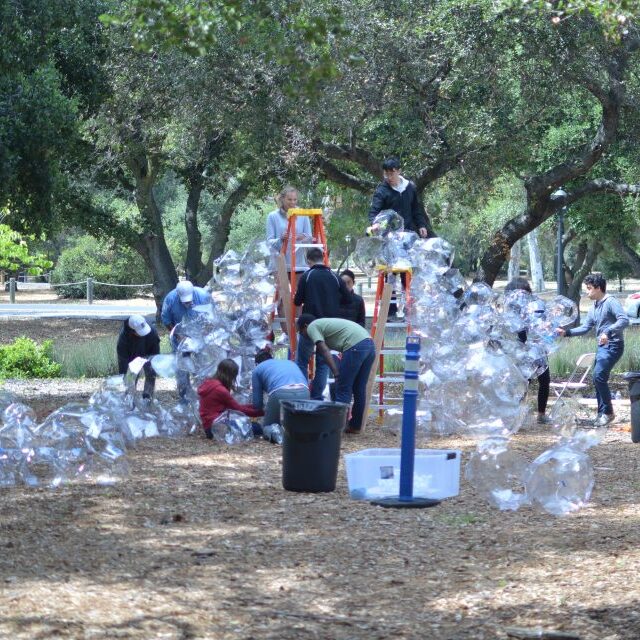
285	290
388	377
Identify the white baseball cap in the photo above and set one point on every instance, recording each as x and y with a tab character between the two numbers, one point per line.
139	325
185	291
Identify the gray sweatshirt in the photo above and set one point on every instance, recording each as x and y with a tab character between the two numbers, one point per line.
607	316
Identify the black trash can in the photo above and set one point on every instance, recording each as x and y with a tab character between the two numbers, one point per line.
311	445
633	380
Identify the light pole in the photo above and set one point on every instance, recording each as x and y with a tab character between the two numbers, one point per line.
560	196
347	239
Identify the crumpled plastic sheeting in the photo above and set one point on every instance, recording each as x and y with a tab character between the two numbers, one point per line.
232	427
474	373
85	441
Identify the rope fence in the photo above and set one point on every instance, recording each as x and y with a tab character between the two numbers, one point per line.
89	283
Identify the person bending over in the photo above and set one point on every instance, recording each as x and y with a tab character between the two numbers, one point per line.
138	339
358	356
280	380
215	396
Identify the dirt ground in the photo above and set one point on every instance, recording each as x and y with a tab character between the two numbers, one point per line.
202	542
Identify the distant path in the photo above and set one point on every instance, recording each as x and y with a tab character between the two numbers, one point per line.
101	312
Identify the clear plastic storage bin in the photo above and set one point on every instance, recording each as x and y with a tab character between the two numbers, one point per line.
375	473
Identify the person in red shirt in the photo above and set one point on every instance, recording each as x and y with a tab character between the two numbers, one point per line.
215	396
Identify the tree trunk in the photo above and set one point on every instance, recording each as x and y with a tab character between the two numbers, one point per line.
223	226
535	262
630	256
587	255
514	261
151	243
193	260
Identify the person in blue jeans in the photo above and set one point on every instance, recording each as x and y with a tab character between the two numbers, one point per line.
358	357
609	320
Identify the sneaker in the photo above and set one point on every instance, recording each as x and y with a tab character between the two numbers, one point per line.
542	419
603	420
352	430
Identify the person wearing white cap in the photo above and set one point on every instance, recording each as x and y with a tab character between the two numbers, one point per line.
138	339
177	305
179	302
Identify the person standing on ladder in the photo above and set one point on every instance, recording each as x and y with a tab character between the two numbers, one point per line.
277	232
320	292
397	193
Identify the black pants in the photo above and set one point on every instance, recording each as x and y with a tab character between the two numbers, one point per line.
544	382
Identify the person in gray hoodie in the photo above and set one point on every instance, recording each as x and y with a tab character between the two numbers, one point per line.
609	320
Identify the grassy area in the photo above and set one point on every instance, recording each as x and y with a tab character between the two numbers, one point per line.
94	359
563	361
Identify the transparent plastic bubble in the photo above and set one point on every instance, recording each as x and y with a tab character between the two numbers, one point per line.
479	293
232	427
434	255
562	311
17	424
387	222
164	365
498	474
560	480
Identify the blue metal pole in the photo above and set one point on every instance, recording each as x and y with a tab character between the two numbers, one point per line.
409	407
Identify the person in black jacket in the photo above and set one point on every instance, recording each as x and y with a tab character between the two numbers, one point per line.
354	310
320	292
401	195
138	339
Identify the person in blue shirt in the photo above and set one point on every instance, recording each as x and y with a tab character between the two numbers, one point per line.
280	380
179	304
609	320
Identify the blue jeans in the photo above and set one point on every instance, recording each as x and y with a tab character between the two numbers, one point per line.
606	358
303	355
355	367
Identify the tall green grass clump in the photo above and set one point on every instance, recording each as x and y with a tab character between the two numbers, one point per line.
94	359
25	358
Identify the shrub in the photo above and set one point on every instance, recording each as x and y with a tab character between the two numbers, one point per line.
24	358
104	262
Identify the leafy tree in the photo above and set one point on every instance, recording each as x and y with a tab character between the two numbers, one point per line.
15	254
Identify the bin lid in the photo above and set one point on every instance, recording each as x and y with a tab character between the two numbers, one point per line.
313	406
632	375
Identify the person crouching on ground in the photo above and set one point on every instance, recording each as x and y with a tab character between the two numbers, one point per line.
138	339
215	396
358	356
280	380
609	320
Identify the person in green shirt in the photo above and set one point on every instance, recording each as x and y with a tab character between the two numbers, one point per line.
358	356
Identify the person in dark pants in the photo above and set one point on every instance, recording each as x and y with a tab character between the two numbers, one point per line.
354	310
544	379
358	356
138	339
320	292
401	195
609	320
